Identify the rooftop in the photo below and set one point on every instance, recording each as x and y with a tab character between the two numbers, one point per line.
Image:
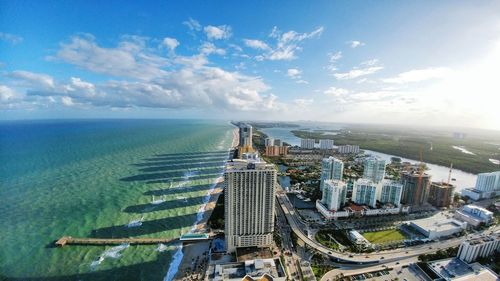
455	269
438	222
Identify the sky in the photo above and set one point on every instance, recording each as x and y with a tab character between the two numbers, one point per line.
396	62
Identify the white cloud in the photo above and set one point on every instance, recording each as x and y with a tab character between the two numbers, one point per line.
287	44
301	81
256	44
294	73
334	57
31	79
303	102
209	48
67	101
11	38
6	94
418	75
170	43
131	58
336	92
357	72
192	24
355	44
218	32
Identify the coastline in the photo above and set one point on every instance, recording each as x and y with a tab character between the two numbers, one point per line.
191	253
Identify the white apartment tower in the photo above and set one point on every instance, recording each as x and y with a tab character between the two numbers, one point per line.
365	192
374	169
326	144
481	246
269	142
307	143
488	181
391	192
249	204
334	193
331	169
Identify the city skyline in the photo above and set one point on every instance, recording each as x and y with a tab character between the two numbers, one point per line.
403	63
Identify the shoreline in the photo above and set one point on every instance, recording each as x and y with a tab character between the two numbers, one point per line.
191	253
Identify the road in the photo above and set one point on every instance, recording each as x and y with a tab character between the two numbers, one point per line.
358	260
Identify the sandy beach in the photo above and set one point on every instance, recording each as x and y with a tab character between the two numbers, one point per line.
195	256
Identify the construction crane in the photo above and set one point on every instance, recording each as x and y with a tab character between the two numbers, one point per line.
449	175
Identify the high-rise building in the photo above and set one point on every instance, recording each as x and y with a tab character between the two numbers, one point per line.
278	142
441	194
488	181
415	189
326	144
246	133
269	142
391	192
334	193
348	149
276	150
331	169
374	169
365	192
245	144
307	143
249	204
477	247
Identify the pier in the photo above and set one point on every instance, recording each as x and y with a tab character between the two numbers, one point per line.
68	240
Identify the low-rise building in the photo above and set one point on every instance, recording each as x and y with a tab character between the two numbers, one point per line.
474	215
250	270
357	238
479	246
437	227
454	269
476	194
330	215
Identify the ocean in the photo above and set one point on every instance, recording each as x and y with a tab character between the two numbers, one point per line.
106	179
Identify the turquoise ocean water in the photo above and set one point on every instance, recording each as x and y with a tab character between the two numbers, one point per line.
102	178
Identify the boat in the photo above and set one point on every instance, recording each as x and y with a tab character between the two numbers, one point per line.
135	223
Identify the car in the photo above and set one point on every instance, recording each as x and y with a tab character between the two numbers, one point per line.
330	252
350	256
381	258
397	262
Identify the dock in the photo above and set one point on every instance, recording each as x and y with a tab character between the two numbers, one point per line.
68	240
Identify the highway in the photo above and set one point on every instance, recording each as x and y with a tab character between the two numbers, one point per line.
360	260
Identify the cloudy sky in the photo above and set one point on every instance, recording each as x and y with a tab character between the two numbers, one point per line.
418	62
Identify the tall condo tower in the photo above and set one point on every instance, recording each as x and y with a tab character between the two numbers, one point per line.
374	169
249	203
331	169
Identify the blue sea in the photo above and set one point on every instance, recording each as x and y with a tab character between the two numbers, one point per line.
103	178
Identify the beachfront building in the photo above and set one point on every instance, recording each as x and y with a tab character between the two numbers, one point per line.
478	247
374	169
334	193
326	144
245	139
474	215
415	188
348	149
268	269
441	194
391	192
249	203
269	142
331	169
365	192
307	143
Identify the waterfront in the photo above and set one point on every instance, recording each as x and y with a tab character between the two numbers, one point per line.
97	179
438	172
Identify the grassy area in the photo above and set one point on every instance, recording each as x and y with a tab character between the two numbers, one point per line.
436	146
324	239
379	237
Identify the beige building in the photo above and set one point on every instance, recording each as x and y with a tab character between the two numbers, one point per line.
249	203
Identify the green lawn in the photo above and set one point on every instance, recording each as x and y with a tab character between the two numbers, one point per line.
378	237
